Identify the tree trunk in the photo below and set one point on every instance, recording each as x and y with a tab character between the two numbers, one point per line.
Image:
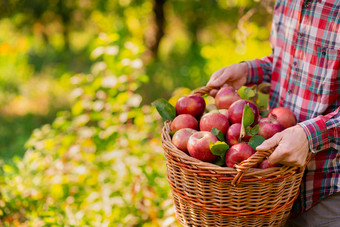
158	9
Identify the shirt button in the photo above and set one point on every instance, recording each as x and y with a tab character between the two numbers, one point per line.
289	91
294	63
323	53
301	34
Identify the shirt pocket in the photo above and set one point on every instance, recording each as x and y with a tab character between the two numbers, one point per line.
323	71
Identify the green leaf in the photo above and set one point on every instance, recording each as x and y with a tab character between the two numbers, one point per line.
253	131
218	133
220	161
248	116
262	100
264	113
172	133
247	119
219	148
165	109
249	92
256	141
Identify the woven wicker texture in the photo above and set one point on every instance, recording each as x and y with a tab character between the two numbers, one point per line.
205	194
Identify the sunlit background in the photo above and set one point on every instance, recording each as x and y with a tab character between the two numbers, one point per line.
79	141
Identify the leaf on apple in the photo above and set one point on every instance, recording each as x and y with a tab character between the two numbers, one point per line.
219	148
264	113
248	118
249	92
172	133
262	100
220	161
256	141
252	131
218	133
165	109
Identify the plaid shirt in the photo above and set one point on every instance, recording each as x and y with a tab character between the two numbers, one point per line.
305	77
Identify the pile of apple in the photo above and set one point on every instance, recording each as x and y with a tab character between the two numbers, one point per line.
225	135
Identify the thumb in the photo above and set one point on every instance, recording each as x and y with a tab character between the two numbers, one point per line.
269	143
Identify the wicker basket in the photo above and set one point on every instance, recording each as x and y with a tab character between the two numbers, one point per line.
205	194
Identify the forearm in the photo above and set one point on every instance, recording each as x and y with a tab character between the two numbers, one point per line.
323	132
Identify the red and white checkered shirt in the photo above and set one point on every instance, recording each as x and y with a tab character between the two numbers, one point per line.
305	77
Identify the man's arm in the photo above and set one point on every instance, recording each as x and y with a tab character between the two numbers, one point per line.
260	70
323	132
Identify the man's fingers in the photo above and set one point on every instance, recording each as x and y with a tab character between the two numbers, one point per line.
276	156
217	79
269	143
218	82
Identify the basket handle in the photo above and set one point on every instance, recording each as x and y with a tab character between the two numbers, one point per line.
203	90
243	167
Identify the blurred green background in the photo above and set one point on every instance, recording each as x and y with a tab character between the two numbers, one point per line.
79	141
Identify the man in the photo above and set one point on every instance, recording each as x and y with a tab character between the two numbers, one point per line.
304	74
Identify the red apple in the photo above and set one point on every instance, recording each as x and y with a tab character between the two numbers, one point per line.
268	127
181	137
284	115
237	153
233	134
199	146
214	120
264	164
225	97
191	104
235	112
184	121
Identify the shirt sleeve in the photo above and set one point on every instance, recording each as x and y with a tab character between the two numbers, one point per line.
260	70
323	131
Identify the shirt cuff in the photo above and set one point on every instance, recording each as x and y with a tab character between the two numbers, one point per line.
317	133
255	72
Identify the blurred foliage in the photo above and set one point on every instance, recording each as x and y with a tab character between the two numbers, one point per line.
97	164
202	37
87	71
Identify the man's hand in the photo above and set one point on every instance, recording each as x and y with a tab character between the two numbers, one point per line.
233	75
292	147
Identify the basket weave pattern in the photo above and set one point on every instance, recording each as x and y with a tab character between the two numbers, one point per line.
205	194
